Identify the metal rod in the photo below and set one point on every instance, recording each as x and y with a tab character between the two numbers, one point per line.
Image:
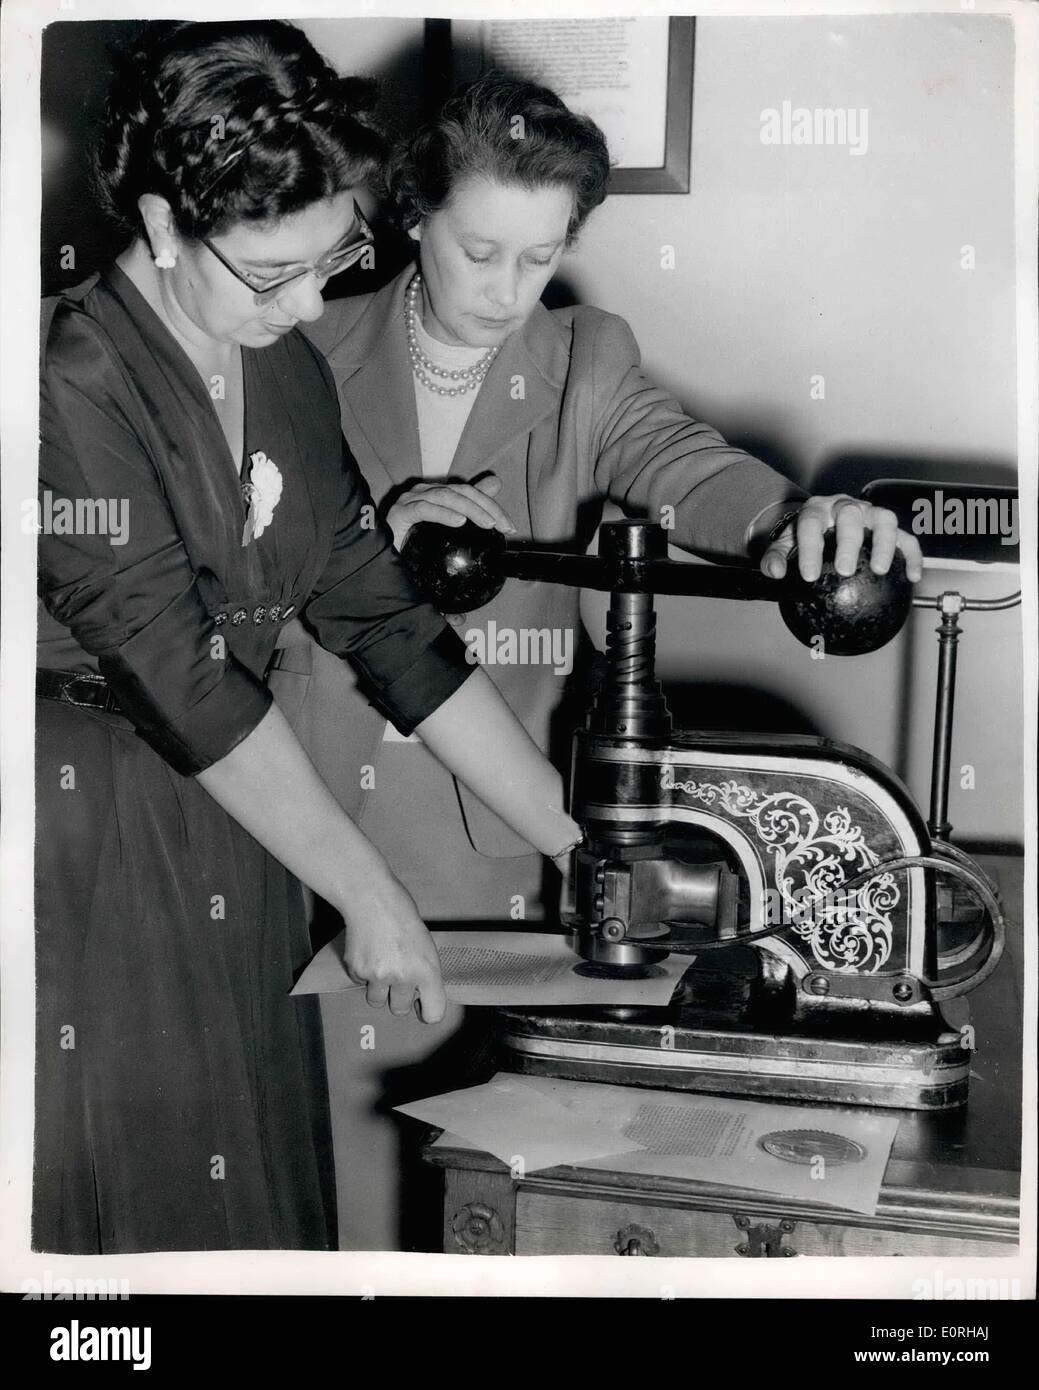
948	638
990	604
613	573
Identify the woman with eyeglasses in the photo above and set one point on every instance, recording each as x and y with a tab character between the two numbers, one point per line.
180	1097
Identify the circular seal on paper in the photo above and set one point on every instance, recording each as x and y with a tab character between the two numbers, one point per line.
808	1145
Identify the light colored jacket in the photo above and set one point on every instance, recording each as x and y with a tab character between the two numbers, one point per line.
566	418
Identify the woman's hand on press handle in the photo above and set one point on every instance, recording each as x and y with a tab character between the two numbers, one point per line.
270	786
851	518
451	503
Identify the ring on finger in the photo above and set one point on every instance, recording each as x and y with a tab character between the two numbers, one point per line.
841	503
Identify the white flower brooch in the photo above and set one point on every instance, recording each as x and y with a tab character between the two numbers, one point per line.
262	494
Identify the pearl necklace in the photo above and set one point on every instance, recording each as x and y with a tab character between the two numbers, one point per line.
468	377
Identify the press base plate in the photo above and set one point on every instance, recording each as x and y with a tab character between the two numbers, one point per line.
588	1045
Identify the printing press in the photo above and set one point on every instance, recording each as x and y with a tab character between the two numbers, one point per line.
830	928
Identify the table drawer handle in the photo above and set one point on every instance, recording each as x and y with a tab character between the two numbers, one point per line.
636	1240
764	1241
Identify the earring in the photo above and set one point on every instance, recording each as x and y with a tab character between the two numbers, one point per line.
165	260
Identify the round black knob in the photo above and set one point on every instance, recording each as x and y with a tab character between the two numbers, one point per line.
853	614
457	568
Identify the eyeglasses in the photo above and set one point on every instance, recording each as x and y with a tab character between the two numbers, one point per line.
338	259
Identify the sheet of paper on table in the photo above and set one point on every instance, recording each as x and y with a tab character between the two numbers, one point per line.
519	1123
509	968
835	1157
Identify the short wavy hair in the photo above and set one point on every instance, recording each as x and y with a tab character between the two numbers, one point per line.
504	129
231	122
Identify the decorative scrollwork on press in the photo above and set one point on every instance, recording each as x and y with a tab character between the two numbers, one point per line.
812	856
478	1229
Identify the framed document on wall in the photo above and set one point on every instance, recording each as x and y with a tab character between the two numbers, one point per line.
633	76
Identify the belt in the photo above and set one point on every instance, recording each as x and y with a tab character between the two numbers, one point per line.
77	688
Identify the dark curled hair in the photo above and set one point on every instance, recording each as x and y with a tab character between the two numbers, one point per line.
231	122
476	134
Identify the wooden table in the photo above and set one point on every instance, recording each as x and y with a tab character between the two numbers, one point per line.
951	1185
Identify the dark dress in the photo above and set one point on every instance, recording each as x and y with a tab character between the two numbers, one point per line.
180	1093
